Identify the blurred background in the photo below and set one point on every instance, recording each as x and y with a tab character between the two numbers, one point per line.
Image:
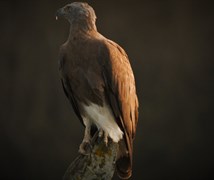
170	46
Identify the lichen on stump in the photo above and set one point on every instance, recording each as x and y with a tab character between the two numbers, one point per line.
99	164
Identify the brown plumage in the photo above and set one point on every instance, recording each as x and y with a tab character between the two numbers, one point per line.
96	74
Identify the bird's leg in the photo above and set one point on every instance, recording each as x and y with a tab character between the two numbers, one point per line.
105	138
104	135
85	146
100	134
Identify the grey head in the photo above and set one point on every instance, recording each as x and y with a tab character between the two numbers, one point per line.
78	13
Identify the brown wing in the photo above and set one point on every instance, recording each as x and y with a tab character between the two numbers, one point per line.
69	89
121	93
67	86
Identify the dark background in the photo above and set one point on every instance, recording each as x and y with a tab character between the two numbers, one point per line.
170	46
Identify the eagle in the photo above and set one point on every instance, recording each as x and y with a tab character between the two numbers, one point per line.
98	80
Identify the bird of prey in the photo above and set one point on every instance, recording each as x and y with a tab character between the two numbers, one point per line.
97	79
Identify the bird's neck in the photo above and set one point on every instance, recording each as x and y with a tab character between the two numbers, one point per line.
81	29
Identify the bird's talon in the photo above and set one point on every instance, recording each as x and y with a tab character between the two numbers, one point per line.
106	141
85	148
100	134
106	144
99	139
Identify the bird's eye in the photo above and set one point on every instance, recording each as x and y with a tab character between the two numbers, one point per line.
67	8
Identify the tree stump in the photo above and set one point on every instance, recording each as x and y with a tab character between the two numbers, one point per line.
99	164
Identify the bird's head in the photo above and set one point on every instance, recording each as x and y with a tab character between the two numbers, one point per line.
78	13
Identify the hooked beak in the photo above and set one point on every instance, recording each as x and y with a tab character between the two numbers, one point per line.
60	13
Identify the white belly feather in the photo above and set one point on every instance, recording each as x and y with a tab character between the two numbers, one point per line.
103	118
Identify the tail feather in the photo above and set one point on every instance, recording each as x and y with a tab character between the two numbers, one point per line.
124	161
124	168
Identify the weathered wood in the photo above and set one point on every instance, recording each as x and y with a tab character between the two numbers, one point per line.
99	164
